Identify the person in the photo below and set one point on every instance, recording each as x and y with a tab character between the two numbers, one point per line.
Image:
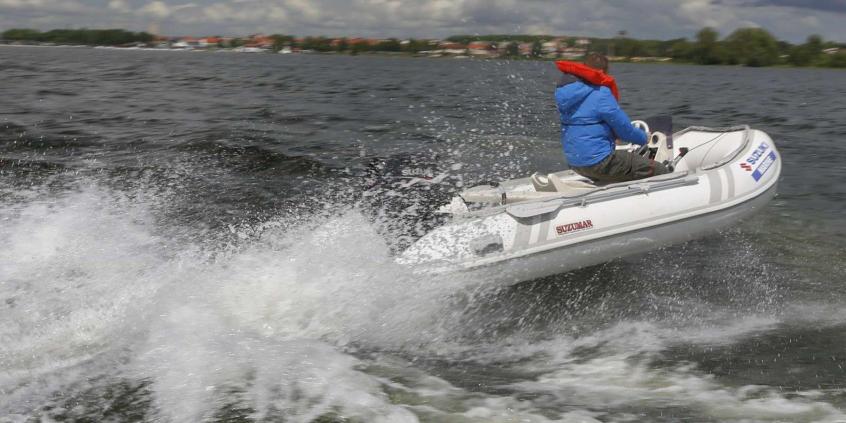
592	121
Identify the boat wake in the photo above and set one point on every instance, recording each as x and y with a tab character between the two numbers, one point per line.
315	321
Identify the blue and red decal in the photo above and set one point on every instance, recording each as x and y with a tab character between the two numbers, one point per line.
765	165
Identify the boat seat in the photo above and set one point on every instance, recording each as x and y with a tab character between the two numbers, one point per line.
552	183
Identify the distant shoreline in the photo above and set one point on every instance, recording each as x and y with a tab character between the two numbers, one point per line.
668	61
749	46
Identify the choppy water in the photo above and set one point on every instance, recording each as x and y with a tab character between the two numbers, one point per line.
193	236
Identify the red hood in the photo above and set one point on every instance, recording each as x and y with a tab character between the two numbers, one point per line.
589	74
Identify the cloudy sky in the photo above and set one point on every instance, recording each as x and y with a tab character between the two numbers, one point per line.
792	20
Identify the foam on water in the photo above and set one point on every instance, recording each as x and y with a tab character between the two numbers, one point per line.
622	377
76	273
314	321
270	317
89	273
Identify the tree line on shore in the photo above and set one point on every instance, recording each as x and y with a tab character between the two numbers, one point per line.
753	47
349	45
756	47
745	46
97	37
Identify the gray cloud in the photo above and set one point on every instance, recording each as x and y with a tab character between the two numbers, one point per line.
838	6
789	19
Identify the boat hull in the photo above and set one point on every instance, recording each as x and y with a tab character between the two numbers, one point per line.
601	250
727	175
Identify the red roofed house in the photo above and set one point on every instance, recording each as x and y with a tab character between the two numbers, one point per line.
209	42
260	41
446	45
481	48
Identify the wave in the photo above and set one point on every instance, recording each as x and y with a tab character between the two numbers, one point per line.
307	317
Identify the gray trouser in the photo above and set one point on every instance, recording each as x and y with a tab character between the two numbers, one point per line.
622	166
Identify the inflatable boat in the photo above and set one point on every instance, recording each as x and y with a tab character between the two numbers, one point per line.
542	225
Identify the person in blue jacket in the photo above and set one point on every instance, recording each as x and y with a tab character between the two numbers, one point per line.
592	121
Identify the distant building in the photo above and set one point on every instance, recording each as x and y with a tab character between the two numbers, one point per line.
447	45
260	41
481	45
481	48
446	48
209	42
549	47
364	41
572	53
186	43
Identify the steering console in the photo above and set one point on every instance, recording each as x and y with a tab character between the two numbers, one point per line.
656	147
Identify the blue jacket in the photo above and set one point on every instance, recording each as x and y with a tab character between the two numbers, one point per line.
591	120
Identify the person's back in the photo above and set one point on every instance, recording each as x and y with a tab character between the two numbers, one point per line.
591	121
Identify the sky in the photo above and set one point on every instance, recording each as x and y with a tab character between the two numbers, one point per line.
791	20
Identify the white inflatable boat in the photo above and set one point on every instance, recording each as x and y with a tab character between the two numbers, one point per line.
532	227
